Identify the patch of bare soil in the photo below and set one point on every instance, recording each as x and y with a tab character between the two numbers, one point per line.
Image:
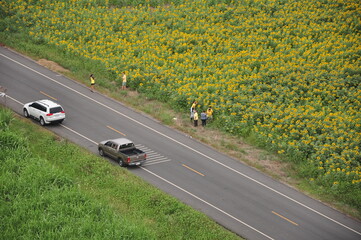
52	65
133	93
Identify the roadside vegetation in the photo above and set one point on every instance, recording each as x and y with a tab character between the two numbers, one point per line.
53	189
284	75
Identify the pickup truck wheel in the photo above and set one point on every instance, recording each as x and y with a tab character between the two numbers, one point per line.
101	152
121	163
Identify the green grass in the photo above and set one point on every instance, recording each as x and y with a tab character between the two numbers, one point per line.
53	189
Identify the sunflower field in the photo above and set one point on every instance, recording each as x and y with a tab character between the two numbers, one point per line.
286	72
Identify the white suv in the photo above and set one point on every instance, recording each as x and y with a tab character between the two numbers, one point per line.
45	111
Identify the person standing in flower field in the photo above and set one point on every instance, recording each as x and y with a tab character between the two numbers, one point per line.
195	117
210	113
92	82
192	114
194	104
124	81
204	118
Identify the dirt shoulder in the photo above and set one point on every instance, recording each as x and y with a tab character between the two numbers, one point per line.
52	66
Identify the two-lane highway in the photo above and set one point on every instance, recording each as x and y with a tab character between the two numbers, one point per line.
235	195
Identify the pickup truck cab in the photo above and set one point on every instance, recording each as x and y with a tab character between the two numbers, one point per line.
123	151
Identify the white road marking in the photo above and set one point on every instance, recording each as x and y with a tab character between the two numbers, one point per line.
152	156
79	134
15	100
152	153
186	146
156	157
207	203
148	163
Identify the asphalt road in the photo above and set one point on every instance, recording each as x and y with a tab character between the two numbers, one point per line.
236	196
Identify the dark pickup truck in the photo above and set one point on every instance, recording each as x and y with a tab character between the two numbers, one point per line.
123	151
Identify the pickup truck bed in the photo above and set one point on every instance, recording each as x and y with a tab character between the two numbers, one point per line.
131	152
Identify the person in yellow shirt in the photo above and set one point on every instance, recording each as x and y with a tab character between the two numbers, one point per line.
209	113
194	104
195	117
92	82
124	81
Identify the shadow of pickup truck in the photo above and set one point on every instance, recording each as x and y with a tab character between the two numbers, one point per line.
123	151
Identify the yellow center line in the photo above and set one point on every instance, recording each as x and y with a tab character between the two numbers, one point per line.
115	130
285	218
49	96
193	170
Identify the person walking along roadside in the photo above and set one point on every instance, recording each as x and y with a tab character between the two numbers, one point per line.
92	82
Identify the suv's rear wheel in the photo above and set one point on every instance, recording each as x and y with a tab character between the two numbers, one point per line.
26	114
42	122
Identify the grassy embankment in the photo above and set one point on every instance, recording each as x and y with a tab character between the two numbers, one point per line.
53	189
281	74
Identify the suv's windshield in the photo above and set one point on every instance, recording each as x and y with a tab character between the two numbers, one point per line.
56	110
